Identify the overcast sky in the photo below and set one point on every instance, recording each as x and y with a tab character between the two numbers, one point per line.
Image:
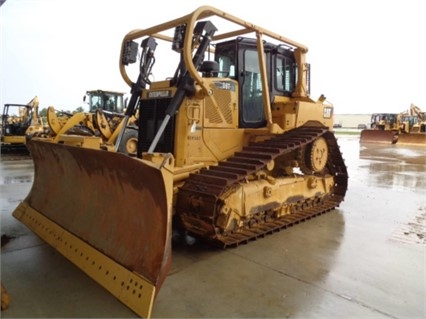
366	55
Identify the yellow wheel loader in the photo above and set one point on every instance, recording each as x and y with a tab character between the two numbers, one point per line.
103	122
230	148
109	101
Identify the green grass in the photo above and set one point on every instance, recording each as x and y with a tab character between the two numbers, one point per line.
339	132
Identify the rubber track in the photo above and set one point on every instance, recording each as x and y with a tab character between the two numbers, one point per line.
210	184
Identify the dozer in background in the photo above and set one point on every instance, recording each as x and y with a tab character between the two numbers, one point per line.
103	121
406	128
412	127
230	148
18	123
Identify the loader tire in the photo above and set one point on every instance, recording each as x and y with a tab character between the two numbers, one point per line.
129	142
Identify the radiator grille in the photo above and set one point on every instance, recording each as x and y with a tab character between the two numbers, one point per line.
151	115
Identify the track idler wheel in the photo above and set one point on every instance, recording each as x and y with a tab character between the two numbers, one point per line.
314	157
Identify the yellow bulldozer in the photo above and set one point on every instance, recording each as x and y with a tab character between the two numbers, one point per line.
406	128
103	122
18	123
230	148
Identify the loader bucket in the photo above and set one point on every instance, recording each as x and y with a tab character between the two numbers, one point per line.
378	136
412	139
108	213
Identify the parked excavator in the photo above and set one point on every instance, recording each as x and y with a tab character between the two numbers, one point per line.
19	125
103	122
230	148
406	128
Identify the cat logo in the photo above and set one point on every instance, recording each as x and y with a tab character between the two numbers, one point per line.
159	94
328	112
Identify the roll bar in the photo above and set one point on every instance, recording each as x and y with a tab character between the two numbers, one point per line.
241	28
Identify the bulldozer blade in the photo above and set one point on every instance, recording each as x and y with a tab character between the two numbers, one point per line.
108	213
378	136
412	139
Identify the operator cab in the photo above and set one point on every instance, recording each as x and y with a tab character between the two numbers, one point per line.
107	101
16	124
238	60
